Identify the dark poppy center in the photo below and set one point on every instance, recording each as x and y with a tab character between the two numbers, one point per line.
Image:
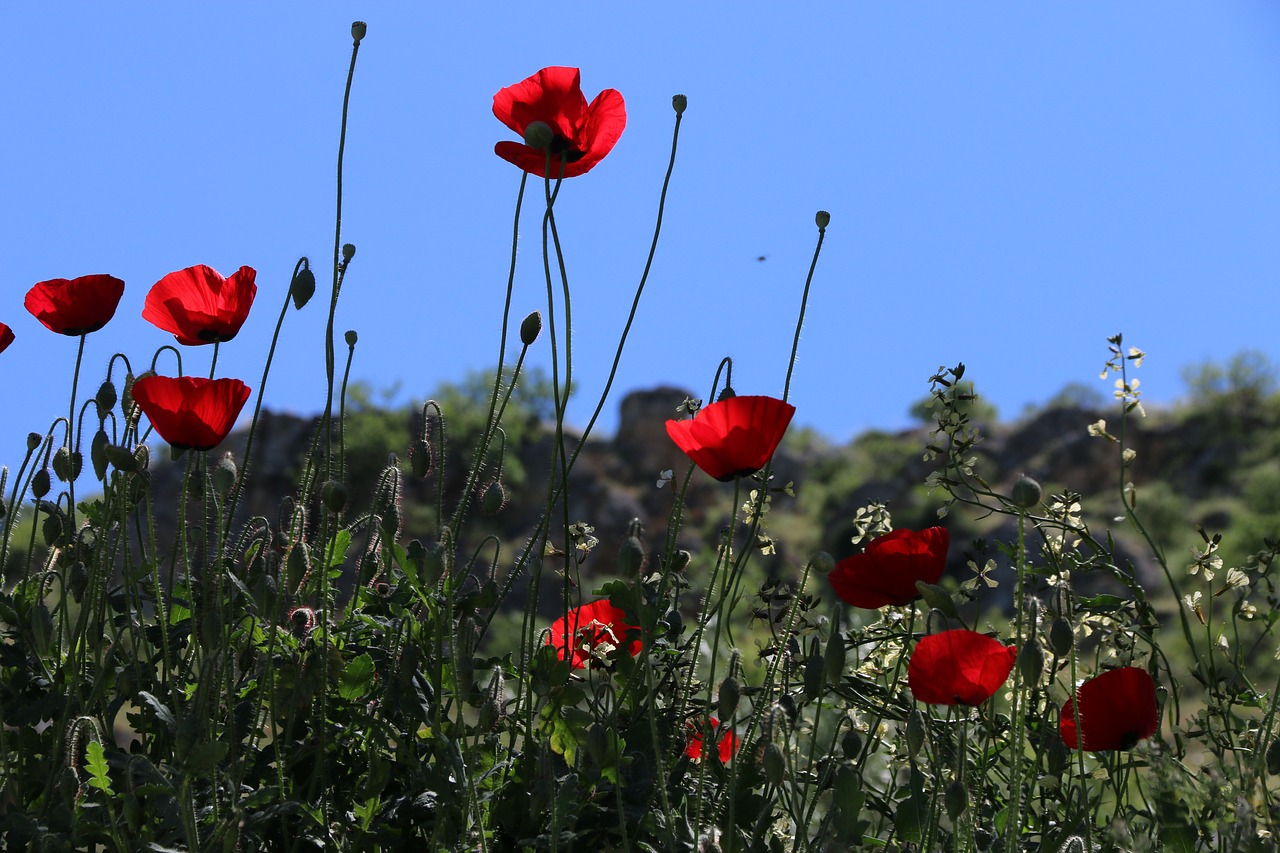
563	147
1129	739
211	336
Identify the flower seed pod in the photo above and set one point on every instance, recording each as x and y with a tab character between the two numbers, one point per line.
530	328
494	499
679	103
333	494
358	30
1061	637
915	733
727	702
822	218
33	440
539	135
348	252
351	337
775	763
1026	492
302	288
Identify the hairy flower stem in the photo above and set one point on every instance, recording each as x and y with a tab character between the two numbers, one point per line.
1017	751
804	301
70	444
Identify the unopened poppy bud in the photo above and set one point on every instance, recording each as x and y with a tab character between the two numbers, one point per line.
433	562
224	475
814	675
1031	661
727	702
390	524
348	252
121	457
358	29
956	799
1057	756
106	397
303	287
62	464
351	337
40	483
33	440
833	658
334	495
298	565
494	499
538	134
630	557
420	458
822	218
675	624
680	561
1026	492
52	529
915	733
822	563
530	328
98	453
679	103
937	598
1061	637
727	394
775	764
1273	758
851	743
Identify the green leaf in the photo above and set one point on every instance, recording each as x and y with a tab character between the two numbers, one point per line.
909	820
357	678
96	762
338	548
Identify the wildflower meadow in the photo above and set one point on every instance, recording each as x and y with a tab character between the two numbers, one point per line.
342	675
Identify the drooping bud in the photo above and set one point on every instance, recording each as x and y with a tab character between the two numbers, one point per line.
66	465
494	498
775	763
814	674
106	397
539	135
1061	637
420	458
915	733
937	598
822	563
833	658
956	799
727	394
679	103
433	562
40	483
303	287
530	328
358	29
680	561
822	218
851	744
1026	492
1030	661
121	457
98	453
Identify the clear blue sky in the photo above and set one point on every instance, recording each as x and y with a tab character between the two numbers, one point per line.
1009	183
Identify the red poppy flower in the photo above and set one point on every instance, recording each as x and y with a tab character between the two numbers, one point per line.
6	337
581	134
1117	709
728	743
77	306
888	568
959	667
593	629
735	437
190	412
199	306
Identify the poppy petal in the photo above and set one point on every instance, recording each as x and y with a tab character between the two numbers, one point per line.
734	437
1117	709
577	634
886	571
198	306
6	337
959	667
583	133
191	412
75	306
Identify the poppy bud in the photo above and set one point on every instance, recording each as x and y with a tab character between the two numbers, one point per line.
40	483
679	103
52	529
814	673
937	598
106	397
727	394
1057	757
851	743
1273	758
680	561
334	495
822	562
351	337
120	457
1031	661
390	523
98	453
420	458
494	499
730	693
1026	492
298	565
33	440
538	134
66	465
675	624
348	252
631	557
224	475
833	660
530	328
956	799
433	562
775	764
915	733
822	218
1061	637
358	29
303	287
